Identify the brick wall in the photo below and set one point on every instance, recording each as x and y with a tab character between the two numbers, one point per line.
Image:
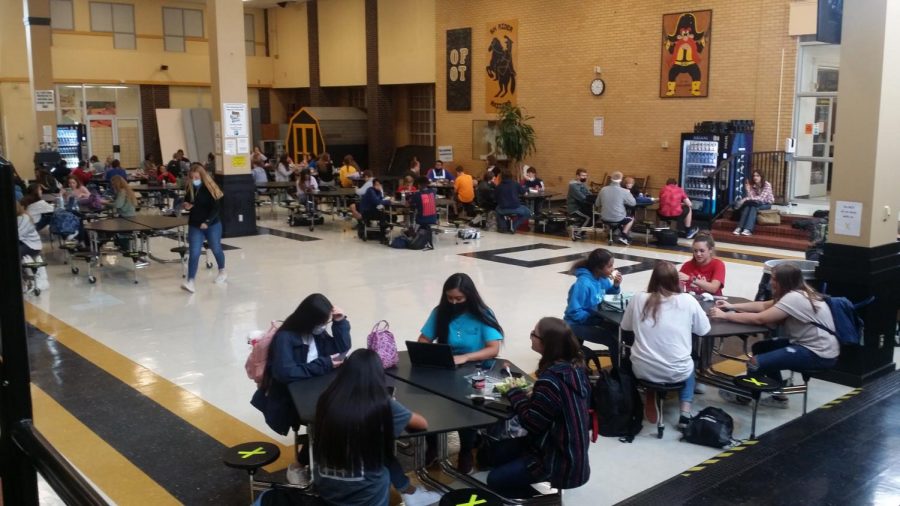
265	107
378	99
153	97
558	49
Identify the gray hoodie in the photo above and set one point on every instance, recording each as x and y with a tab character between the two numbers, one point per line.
612	200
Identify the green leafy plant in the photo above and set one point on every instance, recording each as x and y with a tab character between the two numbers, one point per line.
515	137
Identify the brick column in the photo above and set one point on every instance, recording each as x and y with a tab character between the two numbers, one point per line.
153	97
317	97
265	108
378	99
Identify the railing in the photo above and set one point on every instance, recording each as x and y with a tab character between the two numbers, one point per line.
773	165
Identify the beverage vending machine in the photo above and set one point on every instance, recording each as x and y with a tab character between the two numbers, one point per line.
72	143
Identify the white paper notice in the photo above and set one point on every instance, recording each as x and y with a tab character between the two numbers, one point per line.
445	153
848	218
235	118
230	146
44	100
598	126
243	145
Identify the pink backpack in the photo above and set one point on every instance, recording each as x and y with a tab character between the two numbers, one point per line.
381	341
259	355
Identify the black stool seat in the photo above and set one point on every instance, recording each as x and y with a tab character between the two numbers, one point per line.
181	250
473	496
251	456
661	387
756	385
34	265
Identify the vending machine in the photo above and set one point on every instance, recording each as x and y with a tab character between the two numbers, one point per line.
699	174
72	142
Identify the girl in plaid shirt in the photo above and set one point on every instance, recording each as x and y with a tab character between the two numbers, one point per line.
758	196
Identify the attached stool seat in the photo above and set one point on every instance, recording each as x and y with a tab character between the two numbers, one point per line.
754	387
611	227
470	496
660	389
250	457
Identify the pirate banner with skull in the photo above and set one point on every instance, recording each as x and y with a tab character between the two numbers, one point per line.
500	73
685	54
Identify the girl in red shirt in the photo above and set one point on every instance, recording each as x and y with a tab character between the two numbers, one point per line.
704	272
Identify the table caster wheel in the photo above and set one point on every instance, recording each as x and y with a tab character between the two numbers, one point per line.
92	279
37	292
209	265
74	270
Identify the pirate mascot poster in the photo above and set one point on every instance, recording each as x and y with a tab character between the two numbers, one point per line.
685	54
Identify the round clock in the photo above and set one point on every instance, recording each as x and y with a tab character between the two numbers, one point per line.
598	87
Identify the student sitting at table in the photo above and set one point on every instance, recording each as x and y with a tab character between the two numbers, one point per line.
594	277
371	207
306	186
703	272
259	177
164	176
674	204
126	200
664	321
115	169
368	178
284	169
76	190
300	349
484	193
798	310
40	210
464	189
612	201
82	172
508	196
349	172
439	174
408	185
555	415
355	427
532	183
578	198
462	320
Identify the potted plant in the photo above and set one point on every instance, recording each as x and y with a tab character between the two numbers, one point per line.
515	137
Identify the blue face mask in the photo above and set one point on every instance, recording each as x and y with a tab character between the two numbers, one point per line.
197	183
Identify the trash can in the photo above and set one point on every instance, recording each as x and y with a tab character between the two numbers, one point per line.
807	268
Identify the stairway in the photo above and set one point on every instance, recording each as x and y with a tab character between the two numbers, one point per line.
773	236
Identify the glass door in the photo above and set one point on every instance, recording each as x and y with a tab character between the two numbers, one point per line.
100	136
119	137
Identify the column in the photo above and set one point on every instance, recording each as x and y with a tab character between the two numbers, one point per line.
317	97
231	116
40	72
378	99
862	256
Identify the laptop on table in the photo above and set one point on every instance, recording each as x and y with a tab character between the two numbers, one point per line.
430	355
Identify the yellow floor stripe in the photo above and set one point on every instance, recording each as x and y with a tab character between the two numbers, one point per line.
115	475
727	454
697	468
710	461
204	416
750	442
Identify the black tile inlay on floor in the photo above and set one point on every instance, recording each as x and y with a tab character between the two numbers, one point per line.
179	457
283	233
497	255
846	454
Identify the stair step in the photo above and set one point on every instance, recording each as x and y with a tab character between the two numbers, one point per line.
771	241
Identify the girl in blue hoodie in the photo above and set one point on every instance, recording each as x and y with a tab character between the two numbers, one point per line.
595	277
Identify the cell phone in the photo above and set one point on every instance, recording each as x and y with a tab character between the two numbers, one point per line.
341	356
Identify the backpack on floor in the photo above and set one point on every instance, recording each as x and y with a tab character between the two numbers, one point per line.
711	427
64	223
400	242
421	239
616	404
849	326
381	340
259	355
287	496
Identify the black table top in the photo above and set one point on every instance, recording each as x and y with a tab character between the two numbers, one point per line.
443	415
159	222
334	192
275	184
451	384
718	328
153	188
115	225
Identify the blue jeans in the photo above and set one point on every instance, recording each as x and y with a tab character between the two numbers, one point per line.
597	330
398	478
687	391
774	355
510	476
212	235
748	213
522	212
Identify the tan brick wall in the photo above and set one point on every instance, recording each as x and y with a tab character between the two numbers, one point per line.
559	44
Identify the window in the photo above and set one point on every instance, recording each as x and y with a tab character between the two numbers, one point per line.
356	97
61	17
115	18
178	24
249	35
421	115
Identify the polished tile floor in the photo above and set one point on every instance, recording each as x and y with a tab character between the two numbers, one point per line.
186	352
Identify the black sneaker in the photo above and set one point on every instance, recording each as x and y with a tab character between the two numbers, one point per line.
623	239
683	422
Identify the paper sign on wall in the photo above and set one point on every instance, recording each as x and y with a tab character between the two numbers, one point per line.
230	146
44	100
598	126
235	118
243	145
239	162
445	153
848	218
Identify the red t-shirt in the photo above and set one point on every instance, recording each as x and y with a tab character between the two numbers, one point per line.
670	198
714	270
82	176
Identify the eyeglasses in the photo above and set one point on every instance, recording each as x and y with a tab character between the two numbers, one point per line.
536	336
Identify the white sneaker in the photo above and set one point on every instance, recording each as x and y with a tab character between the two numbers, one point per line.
298	475
737	231
746	232
774	402
188	286
421	497
699	388
221	277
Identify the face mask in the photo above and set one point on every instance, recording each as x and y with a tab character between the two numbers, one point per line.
457	309
583	178
196	183
318	330
529	178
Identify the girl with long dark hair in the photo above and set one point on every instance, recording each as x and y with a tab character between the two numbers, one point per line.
664	321
301	349
355	427
462	320
203	199
796	308
594	278
555	415
758	196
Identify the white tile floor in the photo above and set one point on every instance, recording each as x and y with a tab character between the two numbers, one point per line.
199	341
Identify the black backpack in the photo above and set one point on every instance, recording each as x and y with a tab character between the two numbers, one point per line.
711	427
421	239
617	404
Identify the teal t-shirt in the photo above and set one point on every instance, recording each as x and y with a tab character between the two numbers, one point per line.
467	333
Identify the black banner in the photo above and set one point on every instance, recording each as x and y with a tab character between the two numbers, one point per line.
459	67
